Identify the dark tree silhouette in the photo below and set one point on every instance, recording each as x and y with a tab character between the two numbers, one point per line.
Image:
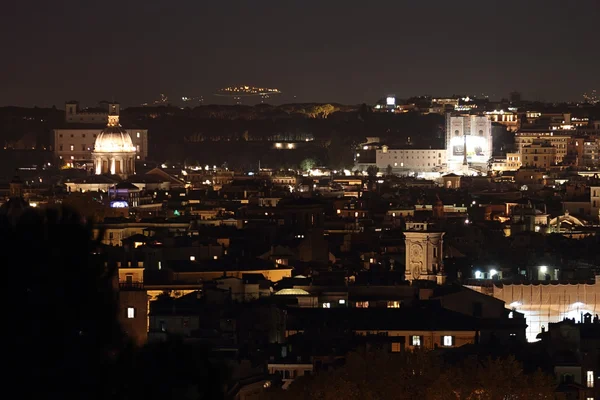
65	333
64	337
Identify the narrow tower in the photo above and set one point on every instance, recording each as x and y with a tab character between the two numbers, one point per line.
424	255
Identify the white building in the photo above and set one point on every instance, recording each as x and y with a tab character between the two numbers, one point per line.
545	302
468	138
74	142
410	160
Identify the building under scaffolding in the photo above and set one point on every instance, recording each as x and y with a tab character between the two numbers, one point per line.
543	302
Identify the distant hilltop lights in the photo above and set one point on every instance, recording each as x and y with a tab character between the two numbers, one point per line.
236	91
592	97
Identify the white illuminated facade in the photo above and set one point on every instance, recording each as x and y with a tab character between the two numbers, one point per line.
543	303
410	160
75	141
468	141
114	152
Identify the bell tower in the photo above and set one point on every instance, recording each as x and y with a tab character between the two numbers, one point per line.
424	256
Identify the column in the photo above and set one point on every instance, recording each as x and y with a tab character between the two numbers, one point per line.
112	165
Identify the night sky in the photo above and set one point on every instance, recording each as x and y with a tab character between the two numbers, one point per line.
313	50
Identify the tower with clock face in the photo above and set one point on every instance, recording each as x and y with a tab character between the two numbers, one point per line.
424	255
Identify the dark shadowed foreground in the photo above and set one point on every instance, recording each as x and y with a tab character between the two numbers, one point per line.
64	340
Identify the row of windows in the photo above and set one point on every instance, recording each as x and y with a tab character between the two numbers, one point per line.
418	165
138	135
83	148
411	152
413	157
364	304
417	341
72	135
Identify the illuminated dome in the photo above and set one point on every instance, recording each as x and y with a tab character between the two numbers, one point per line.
114	152
114	139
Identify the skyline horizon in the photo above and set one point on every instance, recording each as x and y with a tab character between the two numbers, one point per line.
89	102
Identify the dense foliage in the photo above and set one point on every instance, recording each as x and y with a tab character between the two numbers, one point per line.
378	375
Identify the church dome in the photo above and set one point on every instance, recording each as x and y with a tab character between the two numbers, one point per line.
114	139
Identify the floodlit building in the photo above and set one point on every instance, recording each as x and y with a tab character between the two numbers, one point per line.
74	142
468	141
114	152
545	302
410	160
424	255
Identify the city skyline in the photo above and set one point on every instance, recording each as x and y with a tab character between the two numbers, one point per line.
347	53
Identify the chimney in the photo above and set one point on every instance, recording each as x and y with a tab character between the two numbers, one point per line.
543	329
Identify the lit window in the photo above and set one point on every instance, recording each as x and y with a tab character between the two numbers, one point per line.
192	258
130	312
342	301
138	134
362	304
326	305
395	347
72	147
393	304
447	341
415	340
590	379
